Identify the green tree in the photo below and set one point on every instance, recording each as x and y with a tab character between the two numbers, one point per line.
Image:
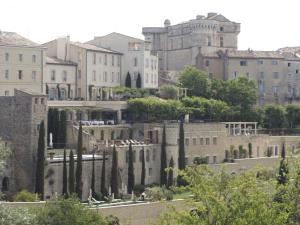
130	183
293	115
17	216
283	175
103	183
139	81
195	81
71	173
78	187
114	180
55	127
170	173
181	155
143	172
169	92
62	129
128	80
40	166
250	149
274	116
93	177
65	176
163	159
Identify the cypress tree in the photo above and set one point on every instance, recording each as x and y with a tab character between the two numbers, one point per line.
181	155
163	159
170	174
39	185
130	184
139	81
143	174
62	129
65	178
71	173
78	186
282	177
103	186
114	182
250	149
50	124
93	176
128	80
55	127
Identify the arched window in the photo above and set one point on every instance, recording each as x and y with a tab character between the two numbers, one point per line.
5	184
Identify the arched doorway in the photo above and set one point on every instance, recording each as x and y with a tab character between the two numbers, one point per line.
5	184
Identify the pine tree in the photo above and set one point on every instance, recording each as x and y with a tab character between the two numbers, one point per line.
40	166
282	177
139	81
114	181
170	174
103	185
62	129
143	173
65	178
128	80
181	155
93	177
71	173
130	183
78	186
163	159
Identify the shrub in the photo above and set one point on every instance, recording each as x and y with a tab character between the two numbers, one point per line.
24	196
169	92
154	194
200	160
16	216
139	189
168	195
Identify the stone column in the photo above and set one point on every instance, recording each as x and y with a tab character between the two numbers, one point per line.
234	129
255	128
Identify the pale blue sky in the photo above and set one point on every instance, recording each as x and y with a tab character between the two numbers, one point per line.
265	24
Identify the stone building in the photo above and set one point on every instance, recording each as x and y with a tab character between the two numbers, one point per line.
21	64
20	118
137	60
97	68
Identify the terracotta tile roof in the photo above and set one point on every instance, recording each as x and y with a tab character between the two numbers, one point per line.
254	54
94	48
53	60
12	38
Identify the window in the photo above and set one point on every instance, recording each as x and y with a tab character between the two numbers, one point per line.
275	75
207	159
94	58
79	92
187	141
150	171
154	62
147	63
112	60
135	61
297	71
221	42
105	59
147	155
65	76
201	141
112	76
235	74
33	75
34	58
118	76
215	159
274	62
20	74
275	89
207	63
261	75
6	74
207	141
147	77
243	63
94	75
133	156
118	60
36	101
79	74
209	41
214	140
42	101
289	64
20	57
260	62
221	29
140	155
194	141
100	59
6	93
6	56
105	76
53	75
154	155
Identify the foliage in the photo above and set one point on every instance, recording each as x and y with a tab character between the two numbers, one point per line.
68	211
293	115
139	81
201	160
283	174
71	173
169	92
130	183
139	189
65	176
155	193
24	196
196	81
62	132
143	171
128	80
16	216
163	159
114	181
78	186
250	149
274	116
170	173
40	166
5	152
103	183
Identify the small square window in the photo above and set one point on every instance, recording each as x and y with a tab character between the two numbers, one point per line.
36	101
20	75
243	63
6	74
194	141
297	71
289	64
187	141
201	141
274	62
20	57
214	140
260	62
207	141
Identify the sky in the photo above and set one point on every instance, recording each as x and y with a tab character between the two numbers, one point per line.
265	24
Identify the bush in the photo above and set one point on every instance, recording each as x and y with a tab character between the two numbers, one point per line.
200	160
155	193
16	216
138	189
112	220
24	196
169	92
168	195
